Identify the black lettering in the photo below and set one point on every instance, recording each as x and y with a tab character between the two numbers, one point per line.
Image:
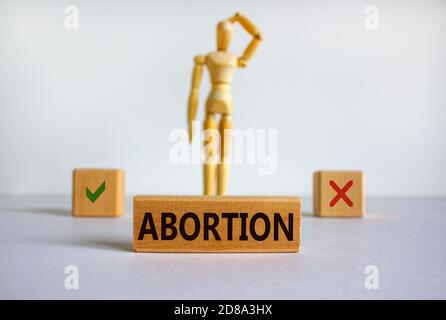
288	232
170	225
243	236
230	217
252	226
152	230
194	235
210	227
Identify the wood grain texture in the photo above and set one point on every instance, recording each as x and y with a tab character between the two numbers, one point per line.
110	203
324	194
245	209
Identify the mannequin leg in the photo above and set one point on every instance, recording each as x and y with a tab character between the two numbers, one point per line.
225	149
210	127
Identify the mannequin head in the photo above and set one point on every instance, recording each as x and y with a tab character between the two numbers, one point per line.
224	35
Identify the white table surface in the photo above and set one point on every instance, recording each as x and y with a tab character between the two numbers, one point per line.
404	238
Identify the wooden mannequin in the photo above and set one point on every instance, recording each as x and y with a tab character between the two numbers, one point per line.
221	65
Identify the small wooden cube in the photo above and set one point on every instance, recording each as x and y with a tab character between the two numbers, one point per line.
98	192
338	194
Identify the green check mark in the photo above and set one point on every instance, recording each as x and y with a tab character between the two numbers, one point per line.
94	196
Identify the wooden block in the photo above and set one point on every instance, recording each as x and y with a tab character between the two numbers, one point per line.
216	224
98	192
338	193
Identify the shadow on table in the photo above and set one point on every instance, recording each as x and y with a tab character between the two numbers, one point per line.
115	245
54	212
103	244
307	214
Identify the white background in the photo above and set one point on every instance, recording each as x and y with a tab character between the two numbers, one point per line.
108	94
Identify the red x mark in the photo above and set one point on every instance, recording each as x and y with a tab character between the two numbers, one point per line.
341	193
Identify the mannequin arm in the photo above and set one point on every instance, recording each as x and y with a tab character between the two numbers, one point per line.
197	75
254	32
